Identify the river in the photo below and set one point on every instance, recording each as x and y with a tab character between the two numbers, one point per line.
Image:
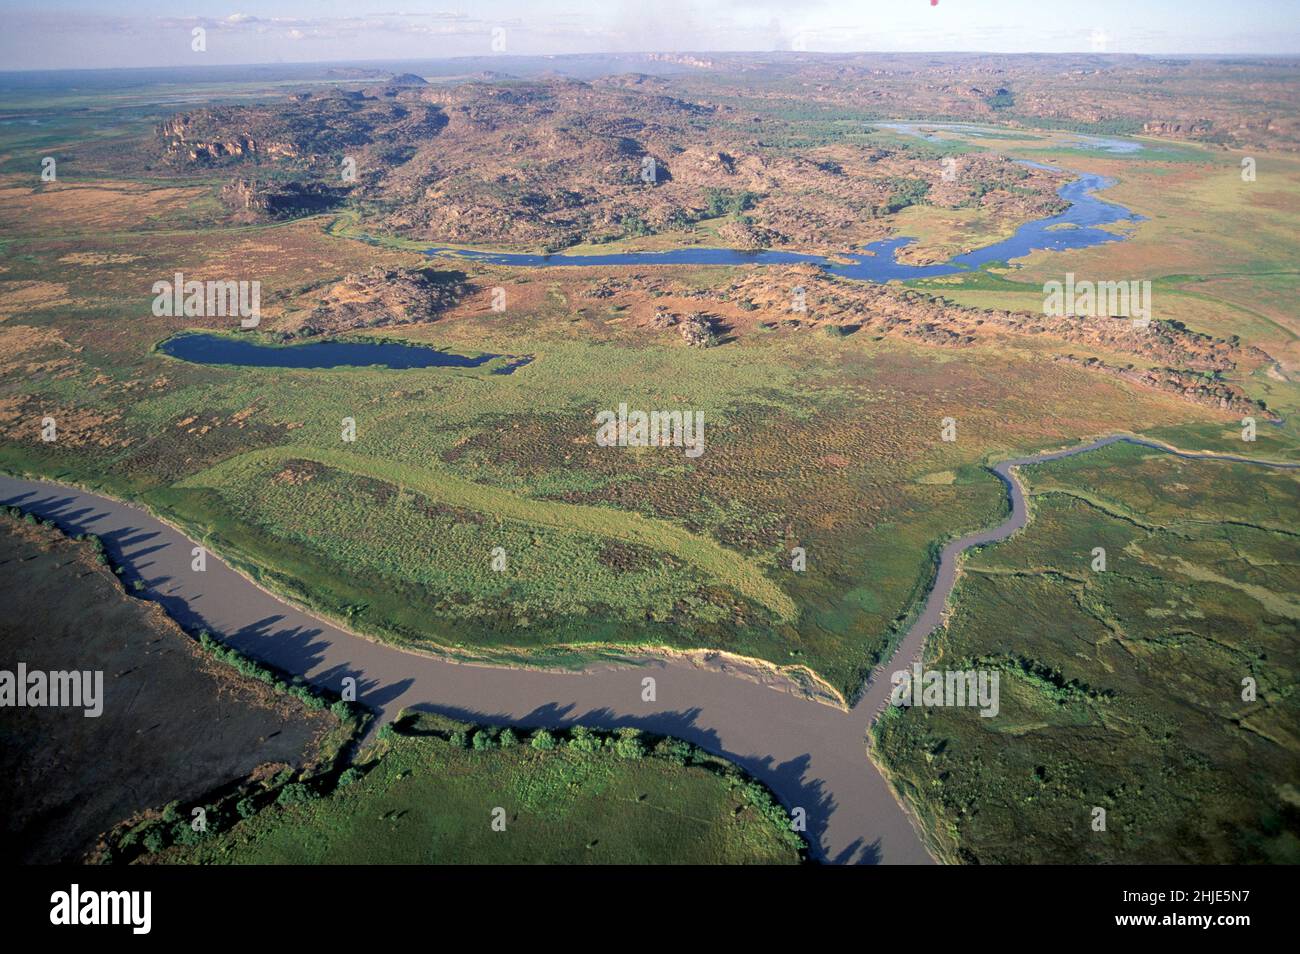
811	754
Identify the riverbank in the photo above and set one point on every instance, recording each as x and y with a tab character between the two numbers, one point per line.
811	755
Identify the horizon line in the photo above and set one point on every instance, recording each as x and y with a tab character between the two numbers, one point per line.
635	53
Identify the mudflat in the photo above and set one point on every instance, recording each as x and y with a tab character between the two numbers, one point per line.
174	722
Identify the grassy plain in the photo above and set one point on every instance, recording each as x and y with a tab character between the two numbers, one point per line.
1123	689
429	795
1220	253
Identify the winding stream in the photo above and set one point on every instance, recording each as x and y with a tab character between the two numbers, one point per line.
811	754
1079	226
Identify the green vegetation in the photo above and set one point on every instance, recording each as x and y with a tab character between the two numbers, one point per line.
633	225
1126	689
443	487
1001	99
719	202
427	797
349	714
822	440
906	192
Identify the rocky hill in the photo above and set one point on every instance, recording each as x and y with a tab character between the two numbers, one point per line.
558	163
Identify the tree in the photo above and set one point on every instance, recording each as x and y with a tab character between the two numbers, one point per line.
350	776
583	739
295	793
629	744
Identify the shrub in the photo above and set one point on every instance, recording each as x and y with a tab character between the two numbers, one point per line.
307	696
153	841
458	739
759	797
907	192
350	776
342	711
507	738
583	739
542	739
633	225
678	219
677	751
295	793
629	744
483	740
183	834
721	202
245	808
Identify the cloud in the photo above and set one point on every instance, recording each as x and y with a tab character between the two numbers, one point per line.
36	37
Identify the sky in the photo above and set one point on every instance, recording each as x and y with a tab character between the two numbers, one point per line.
61	34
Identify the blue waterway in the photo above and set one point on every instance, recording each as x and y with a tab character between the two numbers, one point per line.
876	262
219	349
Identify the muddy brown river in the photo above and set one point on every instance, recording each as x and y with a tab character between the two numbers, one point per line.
811	754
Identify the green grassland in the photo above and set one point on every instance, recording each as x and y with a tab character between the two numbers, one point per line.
428	797
1121	689
443	487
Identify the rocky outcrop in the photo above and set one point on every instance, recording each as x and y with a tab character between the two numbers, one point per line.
699	330
1178	128
1167	355
251	201
310	130
556	163
181	138
379	298
1197	388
